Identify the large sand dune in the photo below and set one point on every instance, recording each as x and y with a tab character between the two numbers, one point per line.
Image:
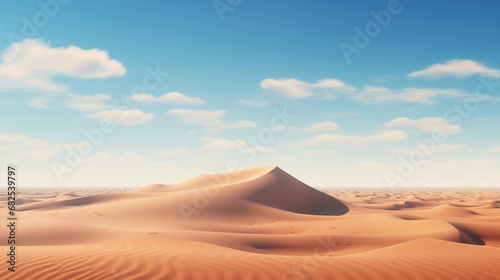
259	223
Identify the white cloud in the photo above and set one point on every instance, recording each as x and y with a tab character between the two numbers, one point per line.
123	117
296	89
459	68
78	102
145	98
170	98
332	84
179	98
355	140
32	65
380	94
428	124
88	102
322	126
213	120
289	88
330	89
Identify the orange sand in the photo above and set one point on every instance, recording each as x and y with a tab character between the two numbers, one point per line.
255	224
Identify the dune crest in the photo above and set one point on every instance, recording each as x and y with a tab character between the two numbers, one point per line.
209	180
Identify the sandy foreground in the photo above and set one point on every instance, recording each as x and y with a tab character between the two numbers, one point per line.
259	223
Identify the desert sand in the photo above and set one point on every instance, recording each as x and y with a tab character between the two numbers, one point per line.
259	223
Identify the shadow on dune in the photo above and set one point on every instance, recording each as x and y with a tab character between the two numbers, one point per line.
280	190
468	237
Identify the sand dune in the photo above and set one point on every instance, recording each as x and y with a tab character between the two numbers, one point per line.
260	223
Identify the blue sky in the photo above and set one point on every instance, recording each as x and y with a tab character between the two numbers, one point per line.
337	93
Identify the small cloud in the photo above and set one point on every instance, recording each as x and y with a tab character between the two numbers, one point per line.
169	98
458	68
88	102
144	98
296	89
380	94
123	117
329	89
428	124
288	88
180	99
213	120
332	84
